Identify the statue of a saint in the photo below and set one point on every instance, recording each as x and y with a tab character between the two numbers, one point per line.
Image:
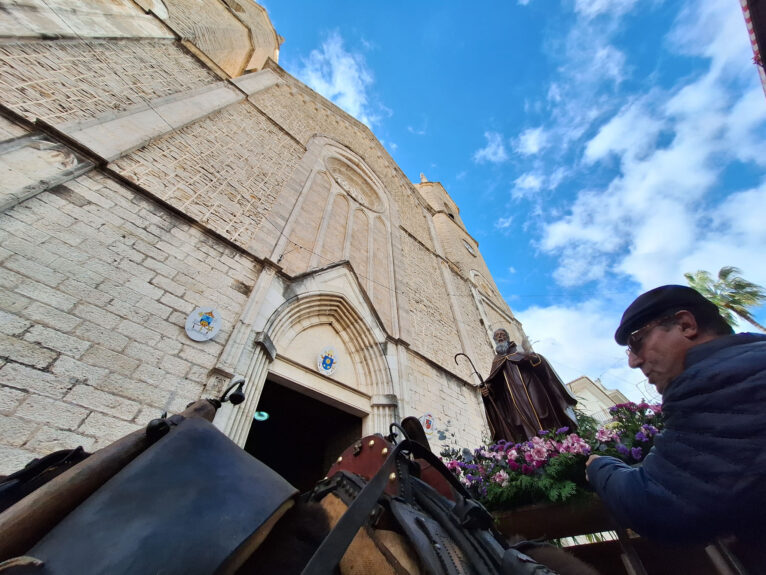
523	395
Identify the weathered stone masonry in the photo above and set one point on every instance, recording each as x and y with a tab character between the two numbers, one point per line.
152	164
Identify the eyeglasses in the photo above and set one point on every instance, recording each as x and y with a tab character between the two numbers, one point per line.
636	338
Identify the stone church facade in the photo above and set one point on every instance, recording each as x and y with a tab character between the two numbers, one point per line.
155	159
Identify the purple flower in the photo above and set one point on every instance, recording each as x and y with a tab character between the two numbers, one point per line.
649	429
636	453
562	430
641	437
542	432
622	449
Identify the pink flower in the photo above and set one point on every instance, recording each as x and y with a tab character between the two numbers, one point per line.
511	455
604	435
539	453
501	478
575	444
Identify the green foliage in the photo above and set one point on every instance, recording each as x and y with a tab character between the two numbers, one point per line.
587	426
733	294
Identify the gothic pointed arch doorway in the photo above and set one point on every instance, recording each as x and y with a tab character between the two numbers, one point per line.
311	409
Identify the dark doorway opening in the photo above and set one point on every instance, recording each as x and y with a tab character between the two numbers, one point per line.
302	436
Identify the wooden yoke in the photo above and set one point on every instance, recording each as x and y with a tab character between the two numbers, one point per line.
27	521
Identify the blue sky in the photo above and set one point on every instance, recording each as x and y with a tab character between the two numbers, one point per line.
596	148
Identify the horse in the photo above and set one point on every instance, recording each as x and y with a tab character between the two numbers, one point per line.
180	497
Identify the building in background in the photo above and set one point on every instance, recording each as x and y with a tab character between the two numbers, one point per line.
164	182
594	399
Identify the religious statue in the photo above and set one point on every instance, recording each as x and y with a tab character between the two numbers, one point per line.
523	395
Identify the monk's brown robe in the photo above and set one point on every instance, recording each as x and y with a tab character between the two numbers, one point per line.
526	396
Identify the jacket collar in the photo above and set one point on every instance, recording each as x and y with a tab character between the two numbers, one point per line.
700	352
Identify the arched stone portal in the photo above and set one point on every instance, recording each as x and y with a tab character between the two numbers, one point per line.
282	334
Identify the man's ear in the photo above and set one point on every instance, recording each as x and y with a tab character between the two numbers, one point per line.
688	324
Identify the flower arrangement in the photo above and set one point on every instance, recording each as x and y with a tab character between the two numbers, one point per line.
630	434
551	466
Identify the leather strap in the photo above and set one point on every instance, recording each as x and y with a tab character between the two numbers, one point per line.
332	549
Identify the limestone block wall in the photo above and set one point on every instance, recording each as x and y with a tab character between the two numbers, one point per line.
212	28
70	80
476	328
225	170
95	284
434	333
458	411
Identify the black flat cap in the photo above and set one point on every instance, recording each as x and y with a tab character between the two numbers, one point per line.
652	304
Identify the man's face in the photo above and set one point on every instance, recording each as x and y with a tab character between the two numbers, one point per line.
500	336
661	353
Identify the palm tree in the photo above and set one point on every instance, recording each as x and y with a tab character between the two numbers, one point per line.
730	292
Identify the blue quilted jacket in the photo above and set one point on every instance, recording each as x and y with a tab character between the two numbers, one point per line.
706	474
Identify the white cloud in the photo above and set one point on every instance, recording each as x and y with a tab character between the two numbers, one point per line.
737	237
578	340
592	8
342	77
744	128
610	63
631	133
504	223
558	176
415	131
531	141
590	70
527	184
658	209
493	152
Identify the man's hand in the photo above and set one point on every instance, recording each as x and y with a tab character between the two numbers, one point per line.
484	388
591	459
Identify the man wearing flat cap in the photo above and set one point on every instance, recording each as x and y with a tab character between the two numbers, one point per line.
706	474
